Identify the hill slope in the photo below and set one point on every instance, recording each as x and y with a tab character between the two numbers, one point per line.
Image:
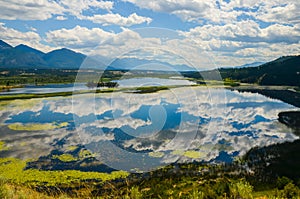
4	45
282	71
144	64
64	58
23	56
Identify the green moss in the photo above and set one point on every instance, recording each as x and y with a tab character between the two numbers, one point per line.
84	153
17	105
177	152
3	147
72	148
36	126
156	154
65	157
193	154
12	169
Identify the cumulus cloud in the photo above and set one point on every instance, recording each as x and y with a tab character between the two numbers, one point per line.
76	7
116	19
29	10
15	37
78	37
222	11
61	18
246	32
44	9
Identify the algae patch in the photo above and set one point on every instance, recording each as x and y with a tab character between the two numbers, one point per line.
36	126
156	154
193	154
12	169
19	105
3	147
65	157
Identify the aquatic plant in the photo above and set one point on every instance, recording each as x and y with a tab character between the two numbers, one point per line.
12	169
3	147
193	154
36	126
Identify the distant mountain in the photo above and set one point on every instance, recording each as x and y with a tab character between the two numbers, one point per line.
27	49
20	57
282	71
144	64
254	64
64	58
4	45
23	56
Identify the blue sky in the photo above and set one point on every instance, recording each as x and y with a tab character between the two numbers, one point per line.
204	33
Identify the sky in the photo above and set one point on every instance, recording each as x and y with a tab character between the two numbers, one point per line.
203	33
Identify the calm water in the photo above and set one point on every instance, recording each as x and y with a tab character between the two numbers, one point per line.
144	131
49	88
134	82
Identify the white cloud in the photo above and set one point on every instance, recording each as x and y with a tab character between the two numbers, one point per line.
186	9
278	11
15	37
45	9
61	18
78	37
116	19
246	31
29	10
76	7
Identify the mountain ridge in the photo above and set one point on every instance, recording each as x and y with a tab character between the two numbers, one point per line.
23	56
284	70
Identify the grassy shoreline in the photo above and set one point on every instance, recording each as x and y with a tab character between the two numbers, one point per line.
188	180
269	91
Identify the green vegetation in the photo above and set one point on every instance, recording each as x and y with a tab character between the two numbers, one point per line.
140	90
193	154
36	126
12	170
282	71
10	78
17	105
174	181
65	157
156	154
3	147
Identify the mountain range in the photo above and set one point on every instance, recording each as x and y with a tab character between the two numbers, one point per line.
23	56
282	71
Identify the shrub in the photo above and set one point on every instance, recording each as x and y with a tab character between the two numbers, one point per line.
241	189
290	191
282	182
196	194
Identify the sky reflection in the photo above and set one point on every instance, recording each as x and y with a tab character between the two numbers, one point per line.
143	131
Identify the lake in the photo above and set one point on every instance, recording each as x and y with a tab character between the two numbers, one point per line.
133	82
141	132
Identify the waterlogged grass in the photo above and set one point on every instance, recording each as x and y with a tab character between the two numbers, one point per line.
14	183
12	169
156	154
84	153
65	157
3	147
141	90
72	148
16	105
193	154
36	126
